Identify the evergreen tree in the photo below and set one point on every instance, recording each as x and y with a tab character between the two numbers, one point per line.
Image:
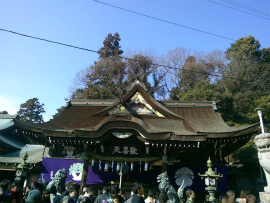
31	111
111	46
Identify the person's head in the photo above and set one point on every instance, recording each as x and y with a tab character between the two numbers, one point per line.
244	193
137	188
90	190
84	189
227	199
190	194
69	184
114	190
60	189
38	186
251	198
15	186
115	199
182	199
163	197
231	193
45	195
106	189
152	193
6	185
72	192
28	188
99	192
122	193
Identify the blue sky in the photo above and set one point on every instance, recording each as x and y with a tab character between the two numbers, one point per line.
31	68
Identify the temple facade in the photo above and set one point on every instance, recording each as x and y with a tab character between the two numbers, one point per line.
136	130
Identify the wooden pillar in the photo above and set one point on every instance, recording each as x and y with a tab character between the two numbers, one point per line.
84	173
164	164
164	160
59	150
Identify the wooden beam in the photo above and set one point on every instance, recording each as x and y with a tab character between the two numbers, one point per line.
84	174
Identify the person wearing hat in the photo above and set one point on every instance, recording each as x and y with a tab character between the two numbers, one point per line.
104	195
68	185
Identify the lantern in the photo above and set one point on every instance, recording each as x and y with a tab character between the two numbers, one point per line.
211	178
146	166
93	162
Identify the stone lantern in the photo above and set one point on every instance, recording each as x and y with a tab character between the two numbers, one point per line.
22	170
211	179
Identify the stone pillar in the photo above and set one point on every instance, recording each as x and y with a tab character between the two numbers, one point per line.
262	142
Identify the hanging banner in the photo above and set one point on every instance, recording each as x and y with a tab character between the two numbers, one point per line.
74	169
179	172
96	174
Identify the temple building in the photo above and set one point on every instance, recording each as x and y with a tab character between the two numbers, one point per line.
136	131
13	147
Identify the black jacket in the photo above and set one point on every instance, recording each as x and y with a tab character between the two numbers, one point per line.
102	197
137	199
88	199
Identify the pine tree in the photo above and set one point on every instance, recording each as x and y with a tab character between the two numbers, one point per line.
31	110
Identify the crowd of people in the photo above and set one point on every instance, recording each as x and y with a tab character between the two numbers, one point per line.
12	193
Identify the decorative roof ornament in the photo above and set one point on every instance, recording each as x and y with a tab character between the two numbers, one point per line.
122	109
214	104
137	82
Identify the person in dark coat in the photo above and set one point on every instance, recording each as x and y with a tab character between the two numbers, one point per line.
138	191
71	197
68	185
104	195
60	190
163	197
89	197
123	195
34	195
5	191
45	198
114	193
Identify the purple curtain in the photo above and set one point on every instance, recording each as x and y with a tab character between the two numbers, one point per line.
176	173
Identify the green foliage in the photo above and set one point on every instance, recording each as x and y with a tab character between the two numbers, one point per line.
263	102
247	154
111	46
31	110
3	112
204	91
244	47
245	86
111	76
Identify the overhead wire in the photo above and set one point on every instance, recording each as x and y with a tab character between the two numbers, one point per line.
246	7
46	40
165	21
236	9
90	50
